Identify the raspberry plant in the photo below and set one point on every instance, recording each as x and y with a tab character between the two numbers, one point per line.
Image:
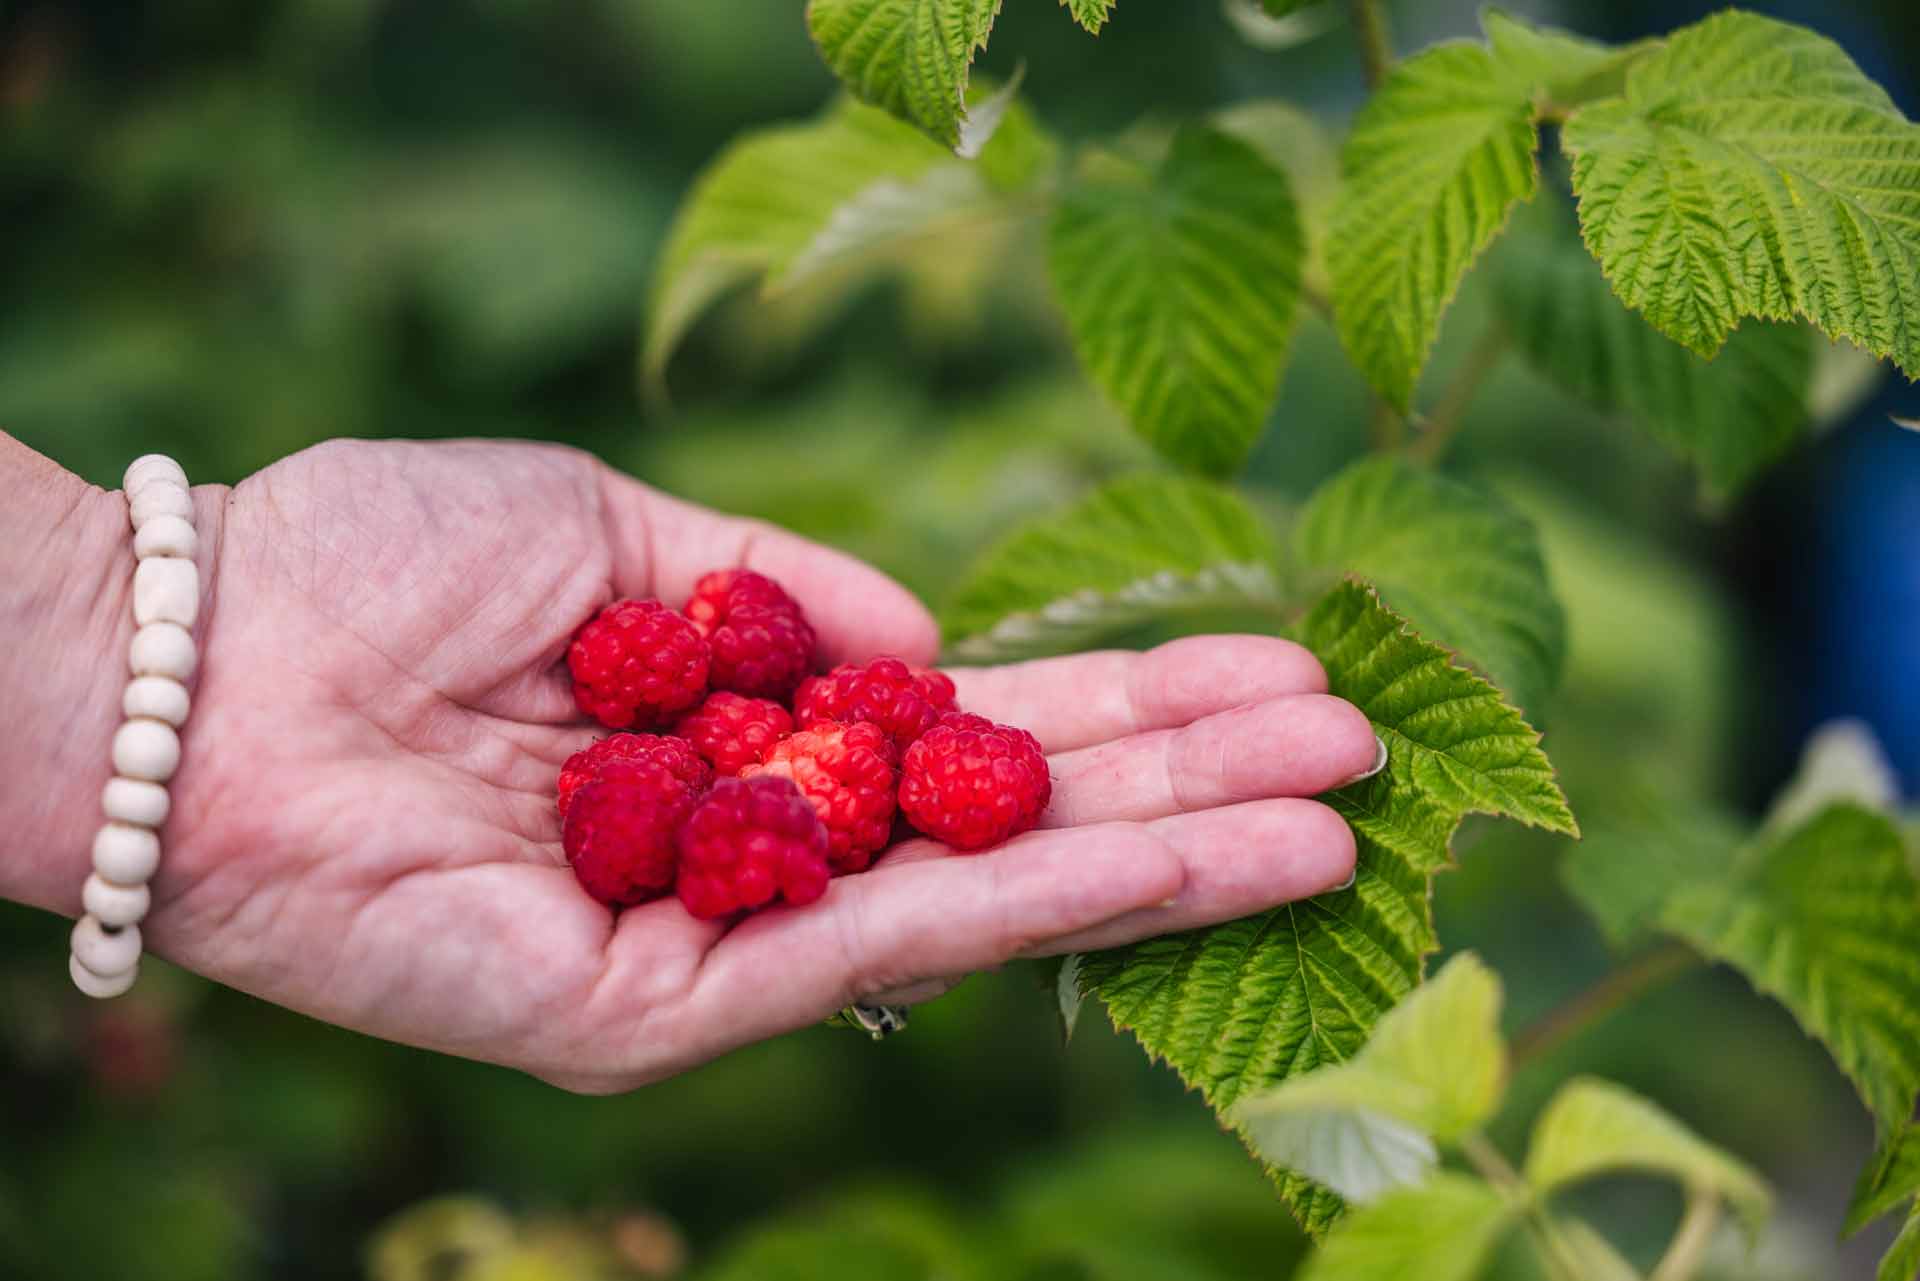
1696	208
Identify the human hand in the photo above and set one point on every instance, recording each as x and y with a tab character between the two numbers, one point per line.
364	827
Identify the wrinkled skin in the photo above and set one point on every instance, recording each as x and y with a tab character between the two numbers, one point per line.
364	825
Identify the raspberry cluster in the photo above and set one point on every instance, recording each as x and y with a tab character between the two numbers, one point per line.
719	791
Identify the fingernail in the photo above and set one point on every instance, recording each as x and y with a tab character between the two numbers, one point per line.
1352	878
1379	762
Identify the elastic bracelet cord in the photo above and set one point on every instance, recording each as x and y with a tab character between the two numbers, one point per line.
146	749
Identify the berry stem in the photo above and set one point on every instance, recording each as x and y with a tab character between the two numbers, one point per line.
1376	42
1611	991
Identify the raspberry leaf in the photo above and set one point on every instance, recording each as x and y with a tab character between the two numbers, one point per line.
1241	1007
1443	1230
1091	14
1890	1180
908	57
1730	416
1434	164
1140	549
1821	917
1179	284
1594	1127
1751	169
1432	1070
1464	568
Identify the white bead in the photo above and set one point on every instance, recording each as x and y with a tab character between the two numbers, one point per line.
99	988
125	854
146	467
146	749
105	952
161	496
159	698
135	801
167	536
166	590
163	649
115	905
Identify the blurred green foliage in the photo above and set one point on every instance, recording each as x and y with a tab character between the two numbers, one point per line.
229	230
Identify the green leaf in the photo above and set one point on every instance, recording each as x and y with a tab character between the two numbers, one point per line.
1596	1256
1091	14
1902	1259
1463	567
1731	415
1436	160
1625	876
1594	1127
1144	547
1299	145
1432	1070
909	57
796	201
1890	1180
1564	67
1179	286
1443	1230
1750	169
1246	1005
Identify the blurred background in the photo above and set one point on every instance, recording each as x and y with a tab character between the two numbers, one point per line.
232	228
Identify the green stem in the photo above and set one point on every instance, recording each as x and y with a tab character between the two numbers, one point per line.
1609	993
1690	1241
1387	433
1444	423
1376	44
1497	1170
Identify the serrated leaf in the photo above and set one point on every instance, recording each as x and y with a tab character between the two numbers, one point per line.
1443	1230
1143	547
1251	1003
1432	1070
908	57
1751	169
1299	145
1566	68
1731	415
1902	1259
796	201
1091	14
1434	164
1890	1180
1462	566
1624	877
1179	285
1594	1127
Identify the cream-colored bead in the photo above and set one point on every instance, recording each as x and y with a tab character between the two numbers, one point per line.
136	801
159	698
126	854
94	985
161	496
115	905
163	649
166	590
147	466
167	536
105	952
146	749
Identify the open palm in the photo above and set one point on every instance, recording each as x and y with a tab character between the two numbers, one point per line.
365	830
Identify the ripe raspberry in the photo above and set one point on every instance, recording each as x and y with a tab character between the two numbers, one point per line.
762	642
904	701
847	772
746	842
619	831
733	731
676	756
638	662
971	783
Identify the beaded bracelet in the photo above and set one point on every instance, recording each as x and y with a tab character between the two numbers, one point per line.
146	749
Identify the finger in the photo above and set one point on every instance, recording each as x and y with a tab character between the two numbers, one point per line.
1093	698
1299	745
1241	860
662	546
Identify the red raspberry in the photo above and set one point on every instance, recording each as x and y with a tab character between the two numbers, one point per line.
904	701
619	831
971	783
676	756
638	662
762	642
733	731
847	772
748	841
